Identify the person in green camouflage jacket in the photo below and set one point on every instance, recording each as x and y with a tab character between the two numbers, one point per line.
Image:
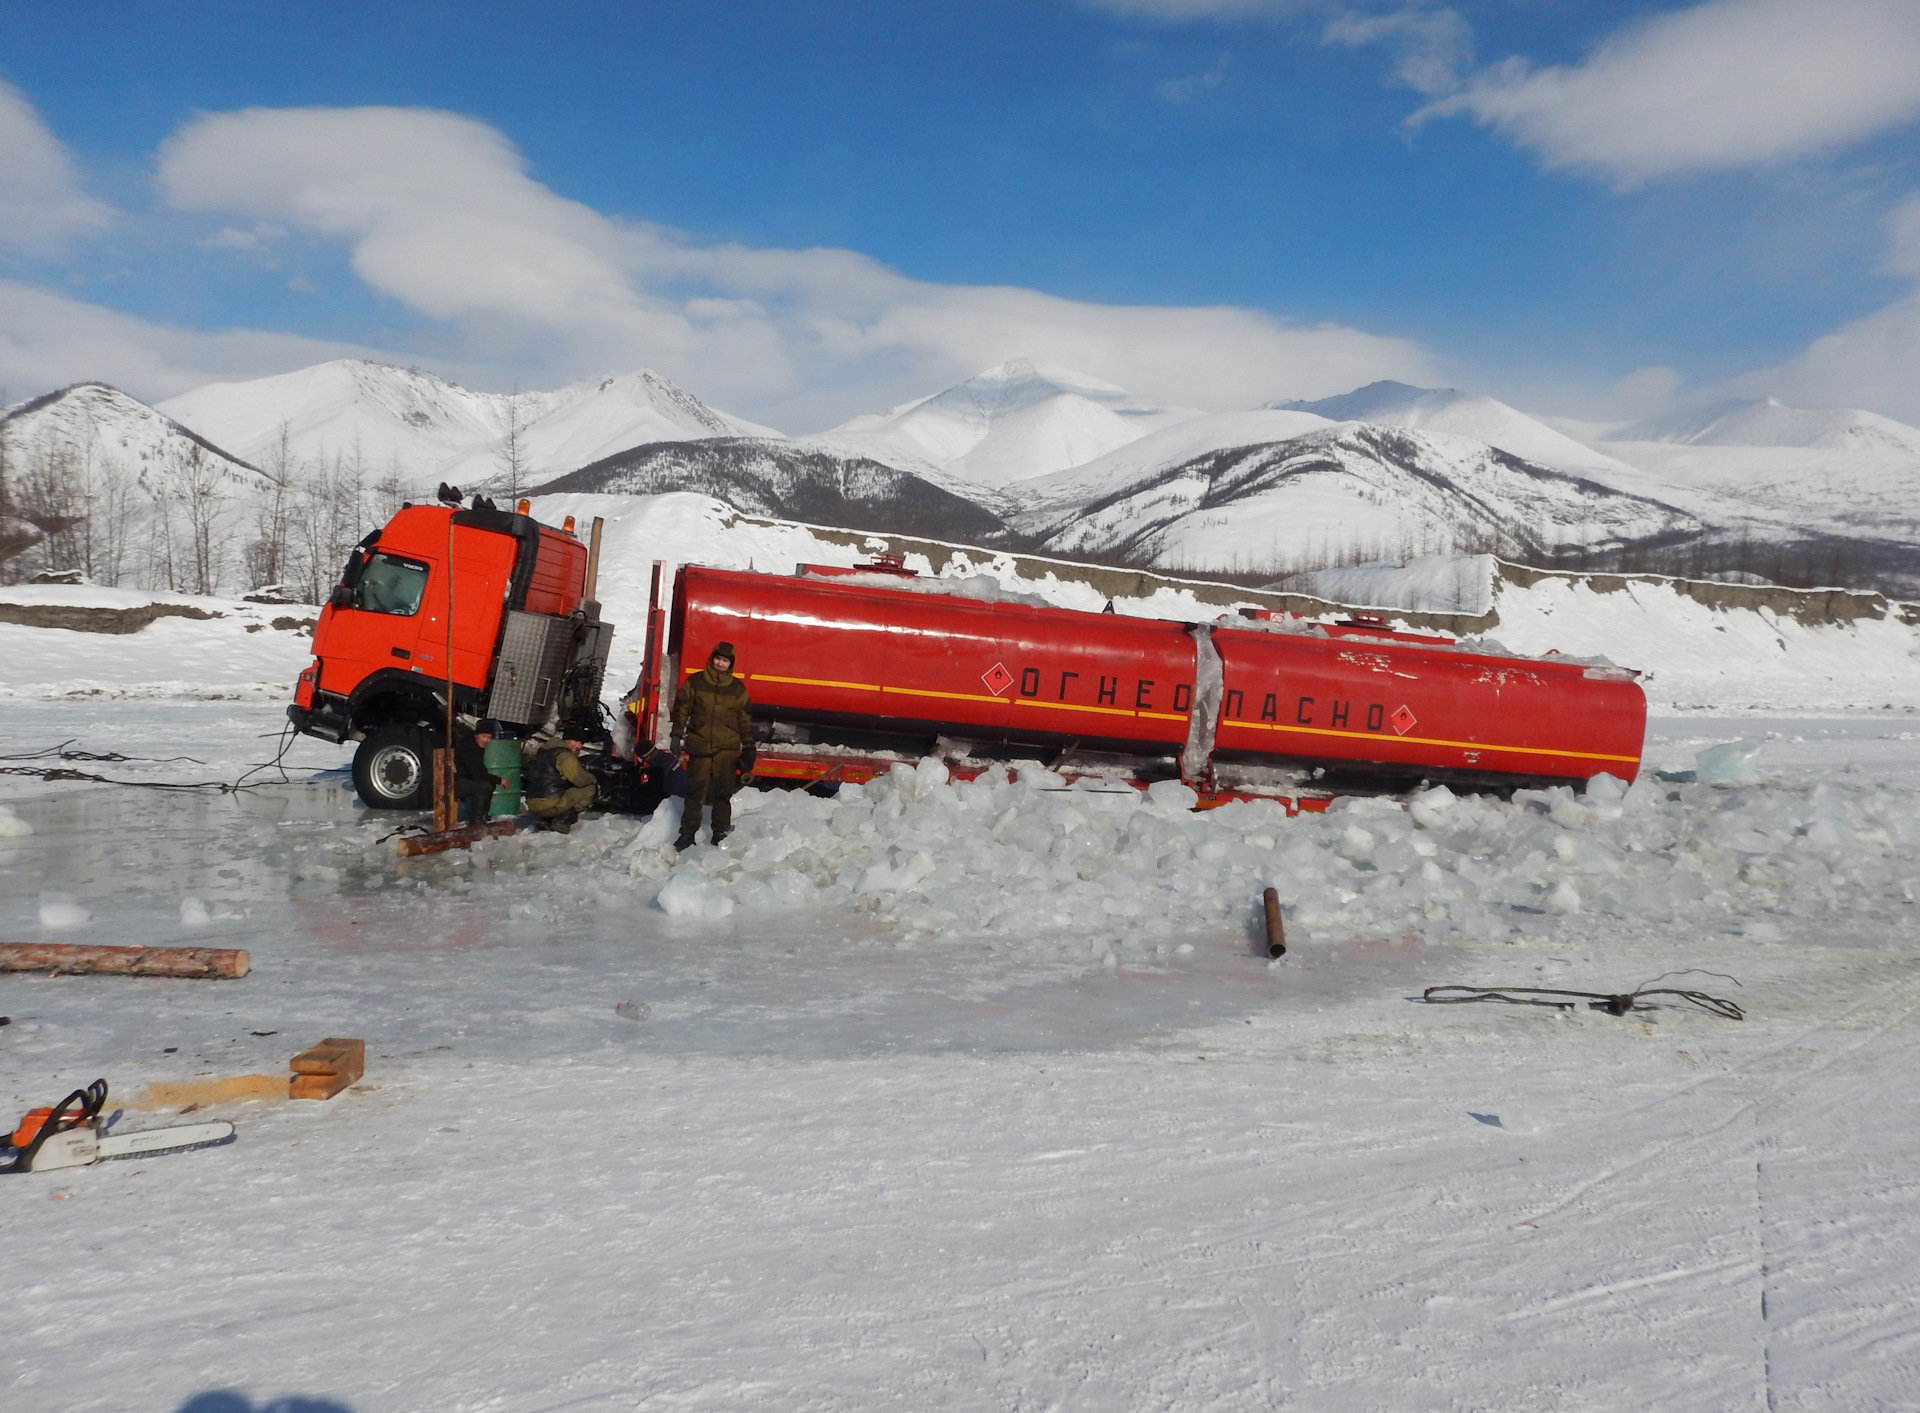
712	723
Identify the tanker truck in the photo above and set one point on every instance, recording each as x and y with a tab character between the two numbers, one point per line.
851	669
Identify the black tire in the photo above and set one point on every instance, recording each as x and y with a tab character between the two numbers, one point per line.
392	769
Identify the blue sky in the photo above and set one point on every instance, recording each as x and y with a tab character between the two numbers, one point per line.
1209	201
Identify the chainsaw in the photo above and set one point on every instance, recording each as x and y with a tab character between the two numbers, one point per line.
71	1135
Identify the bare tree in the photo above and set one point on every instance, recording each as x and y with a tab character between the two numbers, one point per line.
512	458
391	491
269	552
204	506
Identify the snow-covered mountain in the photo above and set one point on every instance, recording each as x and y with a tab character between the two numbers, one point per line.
94	431
1353	490
432	430
1770	422
1461	414
1013	422
793	482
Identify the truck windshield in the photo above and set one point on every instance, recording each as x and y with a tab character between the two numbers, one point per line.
390	584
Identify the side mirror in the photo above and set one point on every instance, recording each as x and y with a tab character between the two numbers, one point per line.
341	597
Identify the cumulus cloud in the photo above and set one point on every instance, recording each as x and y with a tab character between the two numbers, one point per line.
41	204
439	212
1725	84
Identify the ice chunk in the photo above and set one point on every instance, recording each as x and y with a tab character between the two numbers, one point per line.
62	910
688	894
1606	789
1428	808
1564	899
931	773
1172	795
11	825
659	827
1038	777
633	1010
193	913
1729	764
1356	844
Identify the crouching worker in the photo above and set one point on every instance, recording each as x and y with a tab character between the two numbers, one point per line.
473	783
558	786
712	721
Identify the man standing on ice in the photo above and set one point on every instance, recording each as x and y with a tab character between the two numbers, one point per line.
712	722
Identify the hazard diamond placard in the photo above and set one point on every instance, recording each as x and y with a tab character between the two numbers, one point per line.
1402	721
997	678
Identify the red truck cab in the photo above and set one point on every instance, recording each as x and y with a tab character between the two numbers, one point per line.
487	607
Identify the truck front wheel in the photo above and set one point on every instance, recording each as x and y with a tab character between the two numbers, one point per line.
391	771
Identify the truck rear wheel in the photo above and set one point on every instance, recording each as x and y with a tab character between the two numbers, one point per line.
391	770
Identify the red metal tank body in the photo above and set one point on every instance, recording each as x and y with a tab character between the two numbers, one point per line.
816	649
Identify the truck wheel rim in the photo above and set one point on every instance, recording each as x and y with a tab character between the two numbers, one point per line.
394	772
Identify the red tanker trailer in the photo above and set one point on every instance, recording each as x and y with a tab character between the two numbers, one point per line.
483	612
841	663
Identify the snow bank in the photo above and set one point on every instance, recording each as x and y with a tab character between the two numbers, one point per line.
1103	874
83	640
1695	656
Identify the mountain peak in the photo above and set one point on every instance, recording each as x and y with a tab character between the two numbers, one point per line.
1011	422
1368	404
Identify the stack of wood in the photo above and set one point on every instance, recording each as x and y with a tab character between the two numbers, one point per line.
322	1071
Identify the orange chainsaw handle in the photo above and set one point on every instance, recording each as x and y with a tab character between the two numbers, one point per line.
61	1117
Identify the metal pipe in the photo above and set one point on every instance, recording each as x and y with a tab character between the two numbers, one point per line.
593	561
1276	929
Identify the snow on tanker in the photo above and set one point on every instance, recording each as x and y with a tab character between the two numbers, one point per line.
850	669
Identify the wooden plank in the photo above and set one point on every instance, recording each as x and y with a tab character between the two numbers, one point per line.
322	1071
317	1086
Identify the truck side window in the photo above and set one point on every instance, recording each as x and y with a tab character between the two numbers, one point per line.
390	584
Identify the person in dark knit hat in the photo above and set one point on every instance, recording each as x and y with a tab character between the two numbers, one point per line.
712	722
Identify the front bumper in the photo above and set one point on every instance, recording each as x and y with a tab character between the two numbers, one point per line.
326	719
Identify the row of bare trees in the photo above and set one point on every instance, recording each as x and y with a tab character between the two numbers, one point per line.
189	523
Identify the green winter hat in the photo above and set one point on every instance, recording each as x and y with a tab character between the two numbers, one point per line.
724	650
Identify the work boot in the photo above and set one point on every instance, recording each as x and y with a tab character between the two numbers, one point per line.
720	834
683	843
563	823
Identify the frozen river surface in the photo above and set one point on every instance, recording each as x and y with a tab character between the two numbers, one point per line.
978	1098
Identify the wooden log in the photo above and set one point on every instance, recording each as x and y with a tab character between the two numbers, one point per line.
75	959
444	798
465	837
1276	929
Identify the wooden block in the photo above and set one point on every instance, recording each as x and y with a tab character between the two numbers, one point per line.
317	1086
322	1071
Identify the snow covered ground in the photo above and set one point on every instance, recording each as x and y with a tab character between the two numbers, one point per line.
1031	1156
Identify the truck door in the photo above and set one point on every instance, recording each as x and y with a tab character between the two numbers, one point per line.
379	624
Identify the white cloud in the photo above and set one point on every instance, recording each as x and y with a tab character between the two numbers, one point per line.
1190	86
1868	363
1431	46
1726	84
48	340
438	211
1903	237
41	204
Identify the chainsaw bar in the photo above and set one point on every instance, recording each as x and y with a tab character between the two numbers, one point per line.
69	1135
